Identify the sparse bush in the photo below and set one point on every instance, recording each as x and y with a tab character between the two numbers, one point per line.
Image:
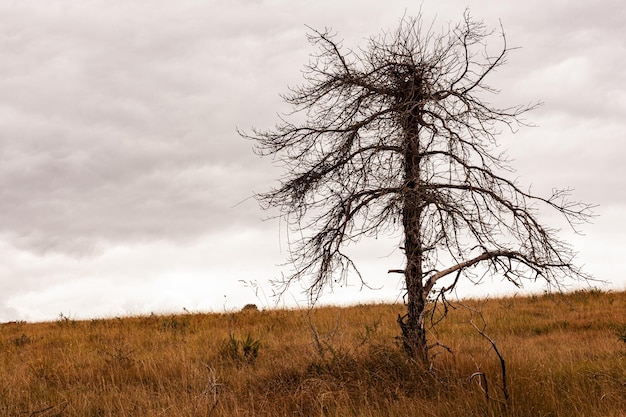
64	320
118	354
229	348
245	350
250	348
22	340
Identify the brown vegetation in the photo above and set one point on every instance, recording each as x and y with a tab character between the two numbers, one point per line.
565	356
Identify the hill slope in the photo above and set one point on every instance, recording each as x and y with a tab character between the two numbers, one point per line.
563	357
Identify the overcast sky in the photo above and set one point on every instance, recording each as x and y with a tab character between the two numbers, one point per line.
124	188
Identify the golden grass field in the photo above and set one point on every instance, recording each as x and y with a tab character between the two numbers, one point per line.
564	356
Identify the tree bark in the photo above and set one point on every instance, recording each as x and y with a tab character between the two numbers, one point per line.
412	323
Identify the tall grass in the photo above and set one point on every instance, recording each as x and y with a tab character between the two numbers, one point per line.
565	356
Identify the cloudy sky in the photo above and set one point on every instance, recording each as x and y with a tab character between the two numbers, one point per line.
124	188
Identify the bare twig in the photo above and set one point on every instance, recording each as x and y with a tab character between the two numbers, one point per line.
43	411
214	387
503	387
481	377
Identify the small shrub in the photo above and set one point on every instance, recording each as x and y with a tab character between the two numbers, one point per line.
250	307
245	350
119	354
21	341
250	348
64	320
229	348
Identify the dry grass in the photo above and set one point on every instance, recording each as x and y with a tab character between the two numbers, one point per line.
564	357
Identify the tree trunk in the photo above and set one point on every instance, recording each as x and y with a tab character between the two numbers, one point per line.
412	323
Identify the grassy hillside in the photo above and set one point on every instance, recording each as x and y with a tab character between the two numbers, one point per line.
564	356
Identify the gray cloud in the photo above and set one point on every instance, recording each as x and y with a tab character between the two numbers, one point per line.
117	127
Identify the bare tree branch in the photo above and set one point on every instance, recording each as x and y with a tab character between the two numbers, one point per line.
398	136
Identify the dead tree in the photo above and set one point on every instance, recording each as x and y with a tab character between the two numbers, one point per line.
398	137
